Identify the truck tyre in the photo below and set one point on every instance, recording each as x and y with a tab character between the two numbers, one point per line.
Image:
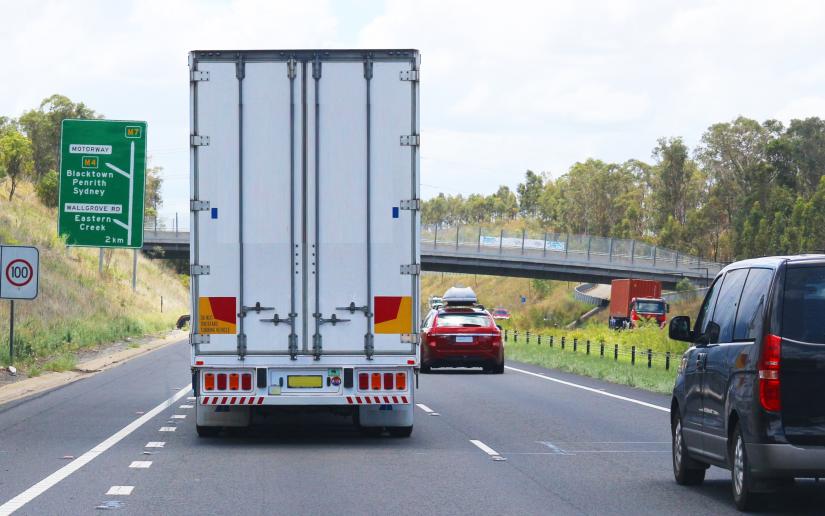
400	431
207	431
687	471
740	472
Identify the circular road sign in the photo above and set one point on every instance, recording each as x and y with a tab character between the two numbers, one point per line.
19	272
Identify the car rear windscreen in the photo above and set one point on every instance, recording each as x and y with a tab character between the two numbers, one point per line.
650	307
462	320
803	313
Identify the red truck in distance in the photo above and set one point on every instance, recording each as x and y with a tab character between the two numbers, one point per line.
632	300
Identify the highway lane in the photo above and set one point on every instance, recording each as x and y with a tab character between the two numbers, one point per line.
567	451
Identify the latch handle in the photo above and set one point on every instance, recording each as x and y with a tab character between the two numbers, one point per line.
278	320
334	319
257	309
352	308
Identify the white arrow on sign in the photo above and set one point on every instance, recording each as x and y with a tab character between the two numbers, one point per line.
131	177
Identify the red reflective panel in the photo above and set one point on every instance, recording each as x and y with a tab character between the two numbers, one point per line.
401	381
234	381
221	381
388	382
209	382
246	381
376	381
363	381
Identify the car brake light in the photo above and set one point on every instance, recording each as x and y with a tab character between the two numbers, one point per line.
376	381
769	392
401	381
388	382
234	381
209	382
363	381
221	382
246	381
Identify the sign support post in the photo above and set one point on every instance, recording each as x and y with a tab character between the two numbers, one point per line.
134	269
11	331
100	263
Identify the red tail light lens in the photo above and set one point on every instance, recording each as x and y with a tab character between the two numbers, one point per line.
634	315
388	382
221	382
401	381
363	381
209	382
234	381
376	381
246	381
769	388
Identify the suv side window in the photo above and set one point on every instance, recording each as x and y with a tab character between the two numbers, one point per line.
728	303
752	305
707	308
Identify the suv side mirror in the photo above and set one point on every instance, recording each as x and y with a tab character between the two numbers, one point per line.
667	308
679	329
499	327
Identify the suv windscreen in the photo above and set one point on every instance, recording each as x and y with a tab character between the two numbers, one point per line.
462	320
650	307
803	312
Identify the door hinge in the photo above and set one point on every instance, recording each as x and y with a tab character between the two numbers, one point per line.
316	67
369	345
410	204
410	338
198	338
412	140
291	66
198	75
408	75
196	205
199	270
197	140
412	269
242	344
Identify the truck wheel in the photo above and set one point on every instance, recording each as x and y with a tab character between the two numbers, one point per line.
740	473
207	431
400	431
686	470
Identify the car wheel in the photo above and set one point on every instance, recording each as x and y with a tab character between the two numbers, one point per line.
207	431
740	472
400	431
499	368
426	369
687	471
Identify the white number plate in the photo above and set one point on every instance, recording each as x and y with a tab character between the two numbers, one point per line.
464	340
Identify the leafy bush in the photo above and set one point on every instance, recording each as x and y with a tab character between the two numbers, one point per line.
47	189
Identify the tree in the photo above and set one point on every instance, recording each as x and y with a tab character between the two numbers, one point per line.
675	181
42	126
153	200
47	189
529	193
15	158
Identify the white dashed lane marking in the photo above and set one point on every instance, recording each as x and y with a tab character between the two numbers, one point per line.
155	444
120	490
50	481
141	464
167	429
427	409
179	416
186	406
486	449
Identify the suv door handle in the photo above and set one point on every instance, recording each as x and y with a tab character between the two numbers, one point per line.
701	358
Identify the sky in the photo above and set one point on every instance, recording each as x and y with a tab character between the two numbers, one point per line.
505	86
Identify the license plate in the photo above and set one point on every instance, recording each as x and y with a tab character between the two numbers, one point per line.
464	340
304	382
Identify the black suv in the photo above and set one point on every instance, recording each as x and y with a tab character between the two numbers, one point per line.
750	393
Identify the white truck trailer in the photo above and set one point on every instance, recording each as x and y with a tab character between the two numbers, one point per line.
304	246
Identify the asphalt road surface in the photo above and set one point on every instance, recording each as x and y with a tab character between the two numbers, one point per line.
517	443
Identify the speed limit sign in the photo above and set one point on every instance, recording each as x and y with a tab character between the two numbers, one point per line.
19	272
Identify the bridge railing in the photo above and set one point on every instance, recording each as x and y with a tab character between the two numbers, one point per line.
172	224
562	246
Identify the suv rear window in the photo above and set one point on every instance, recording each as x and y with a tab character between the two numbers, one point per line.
467	320
803	312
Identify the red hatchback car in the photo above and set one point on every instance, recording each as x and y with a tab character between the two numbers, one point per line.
461	336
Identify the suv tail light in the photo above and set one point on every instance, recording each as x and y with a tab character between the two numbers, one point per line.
769	388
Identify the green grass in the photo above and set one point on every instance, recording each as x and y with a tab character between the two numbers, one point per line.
656	379
64	362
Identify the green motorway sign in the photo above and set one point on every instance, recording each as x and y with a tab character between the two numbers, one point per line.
102	180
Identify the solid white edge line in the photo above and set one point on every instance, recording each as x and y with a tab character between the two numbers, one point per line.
486	449
425	408
590	389
47	483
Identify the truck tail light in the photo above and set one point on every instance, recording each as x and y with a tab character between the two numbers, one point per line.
246	381
376	381
388	382
209	382
401	381
363	381
634	315
234	381
221	381
769	362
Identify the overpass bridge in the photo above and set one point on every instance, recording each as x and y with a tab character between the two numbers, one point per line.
526	254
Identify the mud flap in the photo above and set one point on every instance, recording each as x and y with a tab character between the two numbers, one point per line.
234	416
385	415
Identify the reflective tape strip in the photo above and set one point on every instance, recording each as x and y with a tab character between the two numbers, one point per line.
395	399
232	401
223	401
260	400
240	402
206	400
